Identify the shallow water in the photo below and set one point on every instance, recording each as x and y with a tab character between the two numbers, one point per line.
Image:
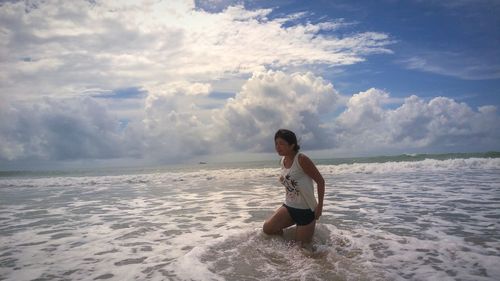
424	220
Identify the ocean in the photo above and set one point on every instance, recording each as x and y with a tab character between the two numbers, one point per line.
408	217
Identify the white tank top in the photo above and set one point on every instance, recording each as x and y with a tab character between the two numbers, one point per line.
299	186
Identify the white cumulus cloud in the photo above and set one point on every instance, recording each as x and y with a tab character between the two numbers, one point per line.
272	100
441	124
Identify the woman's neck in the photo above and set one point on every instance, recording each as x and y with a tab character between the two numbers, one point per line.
290	157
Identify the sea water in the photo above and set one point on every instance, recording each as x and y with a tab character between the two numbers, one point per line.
411	220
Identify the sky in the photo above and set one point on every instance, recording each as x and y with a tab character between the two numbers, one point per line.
85	83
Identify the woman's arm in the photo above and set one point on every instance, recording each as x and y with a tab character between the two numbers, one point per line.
311	170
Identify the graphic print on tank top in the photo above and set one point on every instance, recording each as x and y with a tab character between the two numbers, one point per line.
291	185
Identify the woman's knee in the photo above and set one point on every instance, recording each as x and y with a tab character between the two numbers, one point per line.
270	229
267	228
278	221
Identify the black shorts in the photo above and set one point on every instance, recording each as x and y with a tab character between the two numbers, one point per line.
301	216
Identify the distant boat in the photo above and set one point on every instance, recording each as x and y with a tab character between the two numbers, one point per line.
202	163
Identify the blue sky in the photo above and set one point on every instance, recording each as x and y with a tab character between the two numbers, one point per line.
460	38
180	81
457	40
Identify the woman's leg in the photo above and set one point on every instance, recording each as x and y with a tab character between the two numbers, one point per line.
304	233
280	220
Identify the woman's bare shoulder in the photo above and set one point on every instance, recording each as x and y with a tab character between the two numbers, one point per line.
304	159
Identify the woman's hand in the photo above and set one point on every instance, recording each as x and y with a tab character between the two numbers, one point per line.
318	211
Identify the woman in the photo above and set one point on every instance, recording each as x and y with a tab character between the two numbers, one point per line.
297	175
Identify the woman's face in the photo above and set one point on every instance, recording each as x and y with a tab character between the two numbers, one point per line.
283	148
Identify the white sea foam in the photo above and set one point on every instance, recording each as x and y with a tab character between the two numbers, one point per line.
427	165
424	220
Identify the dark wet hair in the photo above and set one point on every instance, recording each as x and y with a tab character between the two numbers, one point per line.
289	137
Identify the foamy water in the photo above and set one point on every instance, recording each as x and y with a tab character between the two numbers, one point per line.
425	220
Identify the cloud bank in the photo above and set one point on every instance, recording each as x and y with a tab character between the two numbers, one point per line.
175	128
55	129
